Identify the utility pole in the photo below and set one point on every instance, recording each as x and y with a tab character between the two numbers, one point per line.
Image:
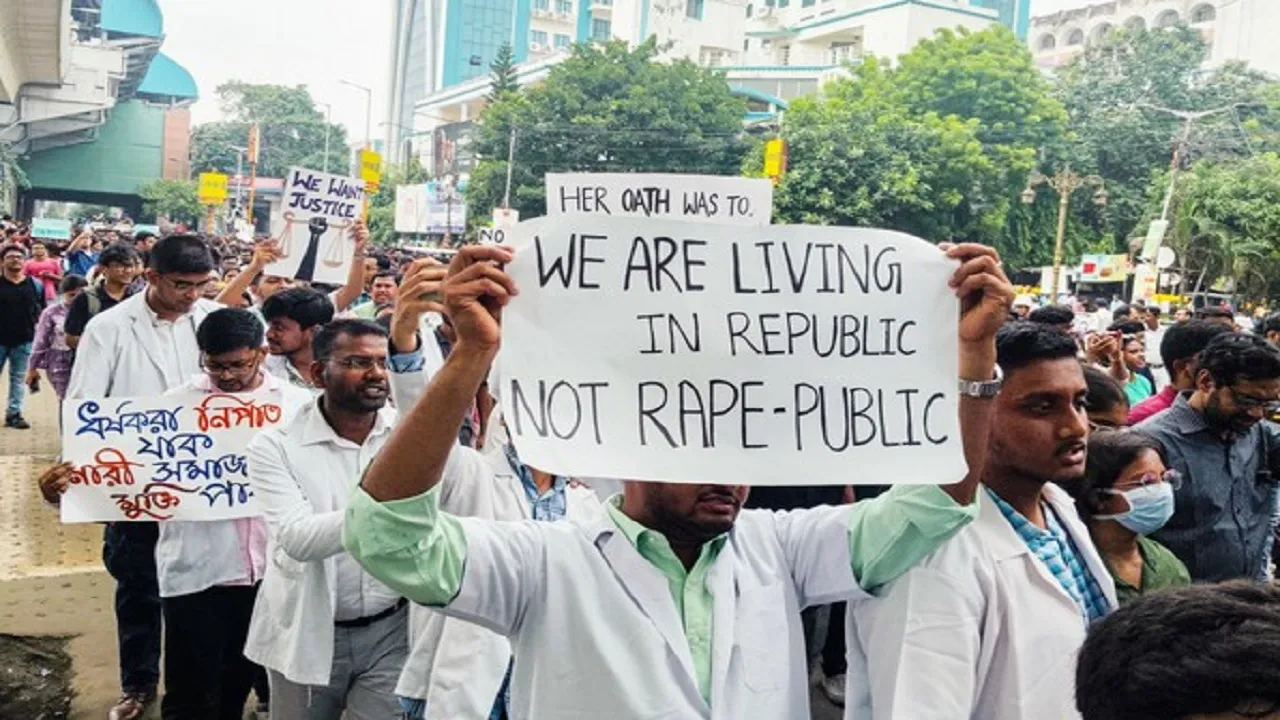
511	158
328	114
1189	119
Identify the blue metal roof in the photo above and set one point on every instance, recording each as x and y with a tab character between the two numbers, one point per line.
133	17
168	78
758	95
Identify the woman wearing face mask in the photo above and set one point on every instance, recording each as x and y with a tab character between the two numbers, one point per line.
1126	495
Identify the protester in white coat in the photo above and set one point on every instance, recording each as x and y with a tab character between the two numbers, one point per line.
143	346
989	625
209	571
331	637
673	604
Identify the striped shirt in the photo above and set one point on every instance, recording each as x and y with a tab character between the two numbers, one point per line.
1055	549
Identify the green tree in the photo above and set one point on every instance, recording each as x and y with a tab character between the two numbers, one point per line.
1111	92
291	127
607	108
174	199
939	145
503	74
1226	224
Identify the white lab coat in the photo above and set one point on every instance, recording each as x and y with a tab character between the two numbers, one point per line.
291	631
575	590
192	556
120	354
457	667
980	629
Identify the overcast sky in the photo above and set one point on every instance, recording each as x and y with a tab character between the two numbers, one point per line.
316	43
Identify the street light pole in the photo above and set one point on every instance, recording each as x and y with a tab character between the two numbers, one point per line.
1064	182
328	122
368	111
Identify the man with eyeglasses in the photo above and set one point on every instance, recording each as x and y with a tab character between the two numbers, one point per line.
144	346
332	638
1216	437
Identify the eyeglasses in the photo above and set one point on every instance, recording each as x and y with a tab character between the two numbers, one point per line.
187	286
239	367
1247	402
363	363
1173	477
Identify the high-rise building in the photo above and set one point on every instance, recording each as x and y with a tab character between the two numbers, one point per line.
441	49
1013	14
1234	29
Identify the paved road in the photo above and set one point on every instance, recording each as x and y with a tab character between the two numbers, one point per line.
51	576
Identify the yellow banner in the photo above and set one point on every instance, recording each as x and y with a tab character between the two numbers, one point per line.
370	170
213	188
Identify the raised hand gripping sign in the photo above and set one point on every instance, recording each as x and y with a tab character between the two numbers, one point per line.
175	457
650	349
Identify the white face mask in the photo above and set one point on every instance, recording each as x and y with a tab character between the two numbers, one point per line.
1150	507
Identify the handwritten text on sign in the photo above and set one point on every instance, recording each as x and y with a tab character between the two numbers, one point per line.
315	214
696	198
176	457
682	352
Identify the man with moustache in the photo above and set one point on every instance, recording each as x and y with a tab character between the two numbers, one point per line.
332	638
989	625
673	603
1216	438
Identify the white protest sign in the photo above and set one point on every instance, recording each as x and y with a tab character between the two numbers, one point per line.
174	457
317	210
429	208
697	198
685	352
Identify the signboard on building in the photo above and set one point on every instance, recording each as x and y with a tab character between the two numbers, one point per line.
1104	268
431	207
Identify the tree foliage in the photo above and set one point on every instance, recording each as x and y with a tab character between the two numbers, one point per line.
291	127
607	108
173	199
938	145
1112	90
1226	224
503	74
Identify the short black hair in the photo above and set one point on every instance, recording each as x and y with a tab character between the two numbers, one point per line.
1110	452
1185	340
1127	327
1215	311
304	306
1153	310
1122	311
72	282
395	277
118	253
12	247
1234	356
1272	323
228	329
143	235
1052	315
1104	392
1021	343
322	344
181	254
1197	650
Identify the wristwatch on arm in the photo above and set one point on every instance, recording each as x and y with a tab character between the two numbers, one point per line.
982	389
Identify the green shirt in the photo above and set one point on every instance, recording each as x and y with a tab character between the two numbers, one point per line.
1160	569
420	552
1138	389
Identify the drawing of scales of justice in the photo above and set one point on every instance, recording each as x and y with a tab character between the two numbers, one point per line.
318	228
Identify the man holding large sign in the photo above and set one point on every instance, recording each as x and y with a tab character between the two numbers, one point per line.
644	610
